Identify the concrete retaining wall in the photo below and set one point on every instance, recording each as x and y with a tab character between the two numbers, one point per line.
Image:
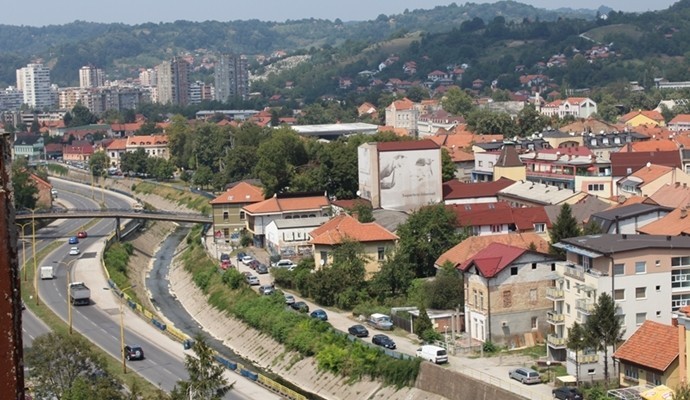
454	386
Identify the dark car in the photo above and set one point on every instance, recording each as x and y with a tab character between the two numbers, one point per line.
241	255
73	240
225	257
300	306
320	314
262	269
253	264
134	353
358	330
567	393
383	341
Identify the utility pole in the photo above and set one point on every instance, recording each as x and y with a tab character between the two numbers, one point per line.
12	368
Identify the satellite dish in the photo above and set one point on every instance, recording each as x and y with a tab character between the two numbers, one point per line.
649	164
359	193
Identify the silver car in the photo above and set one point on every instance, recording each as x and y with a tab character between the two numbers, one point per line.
525	375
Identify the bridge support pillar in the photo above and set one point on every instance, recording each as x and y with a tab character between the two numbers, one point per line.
117	228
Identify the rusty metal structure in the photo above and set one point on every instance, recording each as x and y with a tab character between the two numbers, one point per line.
12	367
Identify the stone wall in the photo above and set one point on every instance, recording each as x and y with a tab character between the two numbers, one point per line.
454	386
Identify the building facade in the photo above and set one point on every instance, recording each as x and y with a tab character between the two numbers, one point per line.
231	77
173	82
34	81
91	77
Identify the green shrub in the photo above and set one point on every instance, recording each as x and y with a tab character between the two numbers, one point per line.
489	347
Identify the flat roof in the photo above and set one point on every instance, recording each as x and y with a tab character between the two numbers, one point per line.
335	129
615	243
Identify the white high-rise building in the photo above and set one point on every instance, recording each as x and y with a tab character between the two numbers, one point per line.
148	77
90	76
34	81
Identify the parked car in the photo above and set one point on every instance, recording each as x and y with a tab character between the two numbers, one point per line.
240	255
283	264
247	259
261	269
133	352
225	265
358	330
300	306
525	375
82	234
253	264
74	251
383	341
266	290
253	280
434	354
225	257
320	314
289	299
567	393
73	240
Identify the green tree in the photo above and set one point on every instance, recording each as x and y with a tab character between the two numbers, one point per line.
682	392
577	342
80	116
35	127
239	163
426	234
277	159
565	227
64	364
393	277
135	161
483	122
423	327
160	169
530	121
23	187
457	102
448	168
604	327
446	290
206	380
341	281
591	228
363	211
99	163
202	176
180	142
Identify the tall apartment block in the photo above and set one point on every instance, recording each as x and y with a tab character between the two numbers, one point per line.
90	77
34	81
173	82
231	77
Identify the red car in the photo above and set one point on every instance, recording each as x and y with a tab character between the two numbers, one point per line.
82	234
225	265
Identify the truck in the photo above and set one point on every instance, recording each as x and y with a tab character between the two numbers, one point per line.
79	294
47	272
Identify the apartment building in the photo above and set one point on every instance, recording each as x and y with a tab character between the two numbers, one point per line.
34	81
173	82
648	276
91	77
231	77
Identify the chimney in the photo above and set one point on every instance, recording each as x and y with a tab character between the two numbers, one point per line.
625	236
674	320
683	212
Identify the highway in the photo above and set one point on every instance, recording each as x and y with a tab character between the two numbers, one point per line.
164	362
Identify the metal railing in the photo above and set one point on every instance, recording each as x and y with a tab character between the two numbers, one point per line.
555	341
584	305
553	293
555	318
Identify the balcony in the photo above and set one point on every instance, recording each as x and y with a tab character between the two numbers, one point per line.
574	271
588	358
555	318
584	305
555	341
554	294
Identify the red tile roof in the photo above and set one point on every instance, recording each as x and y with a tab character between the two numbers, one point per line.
493	259
344	227
482	214
653	345
242	193
117	144
620	162
650	173
651	114
425	144
680	118
147	140
276	205
455	189
473	244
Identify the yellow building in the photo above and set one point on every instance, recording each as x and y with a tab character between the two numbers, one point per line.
509	165
229	220
643	117
375	239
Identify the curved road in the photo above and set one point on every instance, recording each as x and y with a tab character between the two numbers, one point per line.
164	363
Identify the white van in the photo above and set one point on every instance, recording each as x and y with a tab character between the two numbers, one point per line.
432	353
47	272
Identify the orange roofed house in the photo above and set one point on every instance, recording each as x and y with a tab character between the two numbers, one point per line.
375	240
153	145
229	220
283	206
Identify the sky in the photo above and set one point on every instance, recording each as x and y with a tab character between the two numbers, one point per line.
131	12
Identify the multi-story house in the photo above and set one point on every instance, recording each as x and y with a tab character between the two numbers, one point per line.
153	145
643	117
530	194
625	163
377	242
28	146
403	114
629	218
289	238
231	77
680	122
505	293
650	178
578	107
456	192
484	162
573	168
229	218
283	206
115	149
648	276
500	218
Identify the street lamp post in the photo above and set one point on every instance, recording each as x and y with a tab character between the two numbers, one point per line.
33	251
23	226
68	269
548	369
122	327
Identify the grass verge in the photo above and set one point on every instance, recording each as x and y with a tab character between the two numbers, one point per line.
184	198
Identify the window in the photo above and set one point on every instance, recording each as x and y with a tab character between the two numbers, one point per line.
495	228
507	299
679	300
680	261
658	314
534	265
553	267
513	270
481	300
619	294
595	187
480	163
657	263
381	253
640	318
225	215
534	322
474	293
567	308
539	228
533	295
618	269
640	267
567	284
631	373
242	215
324	257
658	288
641	293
